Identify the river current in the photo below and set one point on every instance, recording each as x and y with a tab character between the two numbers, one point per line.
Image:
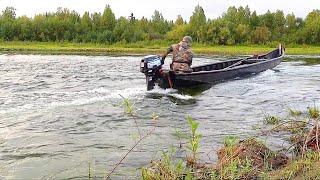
61	114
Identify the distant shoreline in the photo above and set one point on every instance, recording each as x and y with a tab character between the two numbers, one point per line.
57	48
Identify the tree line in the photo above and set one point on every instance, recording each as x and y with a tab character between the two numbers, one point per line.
235	26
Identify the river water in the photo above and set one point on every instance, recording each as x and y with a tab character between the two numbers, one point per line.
61	114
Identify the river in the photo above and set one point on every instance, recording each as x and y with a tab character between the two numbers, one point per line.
61	114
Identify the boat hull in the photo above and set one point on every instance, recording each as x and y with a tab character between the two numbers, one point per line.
221	71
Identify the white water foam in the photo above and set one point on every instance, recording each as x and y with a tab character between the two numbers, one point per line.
169	93
89	97
78	98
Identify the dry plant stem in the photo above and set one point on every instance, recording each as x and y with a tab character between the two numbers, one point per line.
135	121
279	125
267	132
317	137
130	150
164	172
133	117
285	150
306	141
229	159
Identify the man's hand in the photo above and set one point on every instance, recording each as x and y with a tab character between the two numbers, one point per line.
163	57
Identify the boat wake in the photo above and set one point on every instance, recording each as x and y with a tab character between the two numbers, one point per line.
51	100
172	94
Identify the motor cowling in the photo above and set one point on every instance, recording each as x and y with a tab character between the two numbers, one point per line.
150	66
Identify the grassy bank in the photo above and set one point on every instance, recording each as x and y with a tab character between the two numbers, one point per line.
250	158
141	48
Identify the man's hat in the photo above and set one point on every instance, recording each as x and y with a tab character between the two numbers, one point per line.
188	39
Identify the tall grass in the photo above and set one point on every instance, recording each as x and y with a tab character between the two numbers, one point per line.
144	47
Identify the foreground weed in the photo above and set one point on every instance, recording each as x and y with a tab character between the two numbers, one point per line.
194	141
167	168
294	113
230	171
271	120
230	141
170	167
303	167
128	106
314	112
129	109
180	135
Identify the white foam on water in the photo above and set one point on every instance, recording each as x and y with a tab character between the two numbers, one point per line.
51	93
50	100
169	93
160	91
182	96
267	73
78	98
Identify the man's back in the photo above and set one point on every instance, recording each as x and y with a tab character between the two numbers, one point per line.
181	55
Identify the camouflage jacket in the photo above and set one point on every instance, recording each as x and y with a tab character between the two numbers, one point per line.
181	57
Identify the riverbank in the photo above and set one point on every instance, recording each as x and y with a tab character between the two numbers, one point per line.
250	158
19	47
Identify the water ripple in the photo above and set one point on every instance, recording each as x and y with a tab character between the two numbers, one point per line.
60	113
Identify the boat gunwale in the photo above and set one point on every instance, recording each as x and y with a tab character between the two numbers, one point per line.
233	68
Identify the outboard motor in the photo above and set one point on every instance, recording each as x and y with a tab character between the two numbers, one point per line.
150	66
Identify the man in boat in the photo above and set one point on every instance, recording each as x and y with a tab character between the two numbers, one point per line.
181	55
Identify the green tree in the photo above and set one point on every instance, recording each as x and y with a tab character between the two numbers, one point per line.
311	31
254	20
144	25
84	29
242	33
267	20
8	27
9	13
108	20
238	25
39	28
158	26
96	21
290	28
291	23
225	36
261	35
237	20
213	30
279	25
178	31
179	21
120	32
197	24
106	26
244	14
24	28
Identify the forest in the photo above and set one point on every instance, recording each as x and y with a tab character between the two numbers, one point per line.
236	26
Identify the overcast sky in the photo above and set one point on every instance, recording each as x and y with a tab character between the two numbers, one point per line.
170	9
